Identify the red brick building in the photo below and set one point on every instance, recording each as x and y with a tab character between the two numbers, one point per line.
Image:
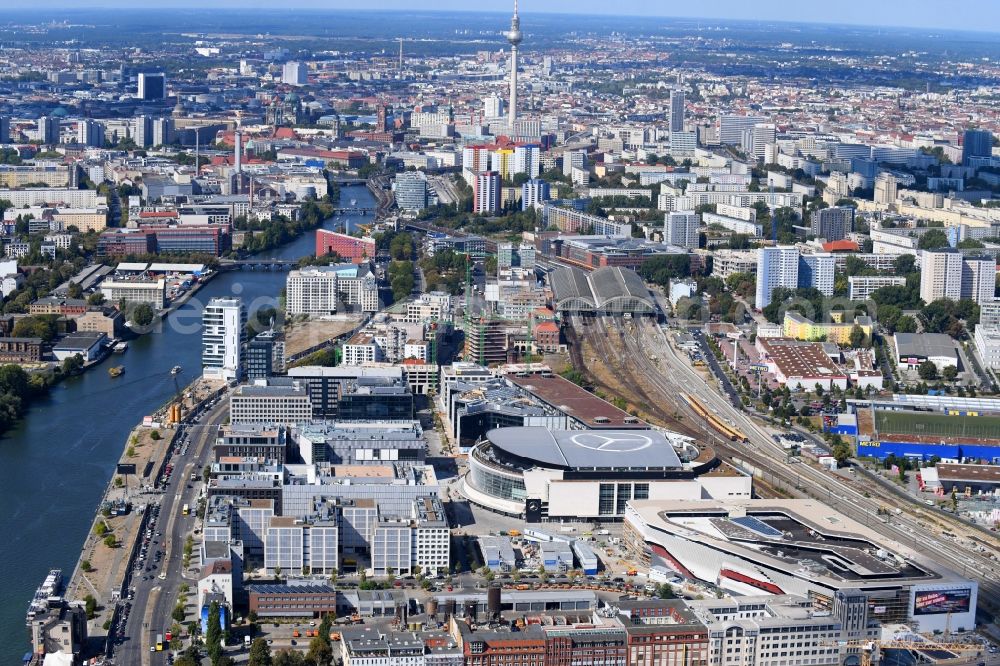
270	600
20	350
349	248
667	644
121	243
664	632
489	648
583	646
547	337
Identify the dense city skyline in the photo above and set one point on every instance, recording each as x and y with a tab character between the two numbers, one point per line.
518	337
923	14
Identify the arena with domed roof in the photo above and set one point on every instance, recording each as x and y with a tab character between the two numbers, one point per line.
544	474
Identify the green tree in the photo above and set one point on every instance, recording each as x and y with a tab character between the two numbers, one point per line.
325	625
661	269
191	657
142	314
855	266
933	239
178	613
260	653
905	264
927	371
950	373
888	316
96	298
841	453
401	247
37	326
401	279
287	657
90	606
110	541
71	365
320	652
906	324
213	634
858	337
739	242
742	284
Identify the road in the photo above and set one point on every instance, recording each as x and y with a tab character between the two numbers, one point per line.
154	598
663	379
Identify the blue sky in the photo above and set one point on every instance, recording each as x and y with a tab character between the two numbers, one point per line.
982	15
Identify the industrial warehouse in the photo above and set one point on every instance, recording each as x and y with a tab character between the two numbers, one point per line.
544	474
803	547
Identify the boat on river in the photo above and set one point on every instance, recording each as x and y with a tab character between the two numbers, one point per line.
50	591
116	371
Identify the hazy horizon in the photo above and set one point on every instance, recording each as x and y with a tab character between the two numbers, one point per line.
918	14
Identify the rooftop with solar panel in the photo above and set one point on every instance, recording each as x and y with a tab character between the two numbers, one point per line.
801	535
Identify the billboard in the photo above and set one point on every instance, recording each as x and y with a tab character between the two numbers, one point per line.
532	510
936	602
126	468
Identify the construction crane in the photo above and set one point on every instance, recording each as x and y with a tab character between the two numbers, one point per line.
870	649
175	411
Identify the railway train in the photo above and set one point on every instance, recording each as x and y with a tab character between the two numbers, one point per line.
729	432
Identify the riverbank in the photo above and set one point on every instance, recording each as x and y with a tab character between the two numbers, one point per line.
55	464
127	511
47	376
105	572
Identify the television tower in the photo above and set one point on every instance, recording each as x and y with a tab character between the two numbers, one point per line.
238	157
515	37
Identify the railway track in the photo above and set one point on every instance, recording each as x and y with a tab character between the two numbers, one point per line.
660	389
595	333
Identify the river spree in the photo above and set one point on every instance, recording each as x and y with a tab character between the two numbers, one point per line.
55	466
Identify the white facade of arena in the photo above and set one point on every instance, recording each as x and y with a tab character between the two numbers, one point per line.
584	474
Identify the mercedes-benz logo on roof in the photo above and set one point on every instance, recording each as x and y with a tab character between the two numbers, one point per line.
612	443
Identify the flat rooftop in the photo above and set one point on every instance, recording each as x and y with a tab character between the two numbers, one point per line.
800	359
970	473
363	471
576	401
575	449
925	345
